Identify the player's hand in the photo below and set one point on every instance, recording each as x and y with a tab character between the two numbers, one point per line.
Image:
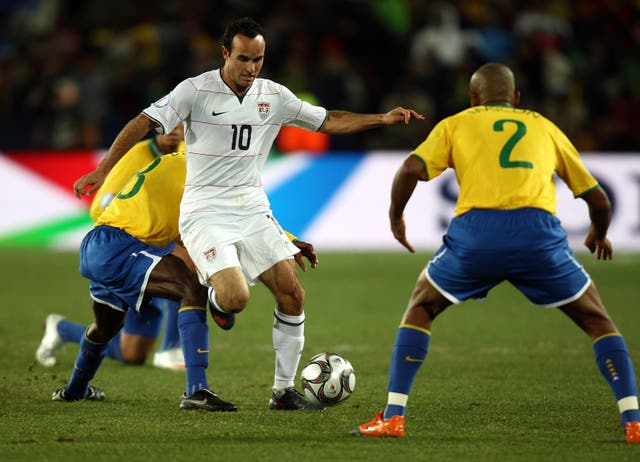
92	180
399	230
600	246
307	251
401	115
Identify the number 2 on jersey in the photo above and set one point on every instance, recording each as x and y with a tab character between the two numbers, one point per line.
505	152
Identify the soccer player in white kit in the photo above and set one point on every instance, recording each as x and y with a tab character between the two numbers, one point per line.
231	120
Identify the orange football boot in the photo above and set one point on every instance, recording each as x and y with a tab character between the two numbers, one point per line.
632	430
393	427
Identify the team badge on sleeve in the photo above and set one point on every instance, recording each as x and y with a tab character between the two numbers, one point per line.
263	110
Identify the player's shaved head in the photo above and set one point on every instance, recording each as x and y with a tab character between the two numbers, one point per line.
493	83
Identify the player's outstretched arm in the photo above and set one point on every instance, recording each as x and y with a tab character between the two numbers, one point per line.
404	183
600	214
128	136
342	122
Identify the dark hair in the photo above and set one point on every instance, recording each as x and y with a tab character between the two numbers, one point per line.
243	26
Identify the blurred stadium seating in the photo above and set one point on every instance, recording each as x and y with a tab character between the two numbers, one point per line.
72	73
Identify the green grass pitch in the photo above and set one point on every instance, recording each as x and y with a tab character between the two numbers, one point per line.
504	380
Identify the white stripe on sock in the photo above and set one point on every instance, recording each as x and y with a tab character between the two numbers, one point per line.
397	399
628	403
214	303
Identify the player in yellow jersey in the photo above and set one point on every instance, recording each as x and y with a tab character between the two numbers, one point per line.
134	343
140	155
133	253
505	229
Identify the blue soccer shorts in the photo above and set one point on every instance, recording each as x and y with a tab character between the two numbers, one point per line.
526	247
118	266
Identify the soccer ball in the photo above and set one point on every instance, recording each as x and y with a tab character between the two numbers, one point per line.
328	378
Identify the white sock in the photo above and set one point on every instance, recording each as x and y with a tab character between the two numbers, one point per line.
288	342
213	302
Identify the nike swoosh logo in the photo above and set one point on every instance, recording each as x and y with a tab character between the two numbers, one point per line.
214	113
195	401
412	360
199	350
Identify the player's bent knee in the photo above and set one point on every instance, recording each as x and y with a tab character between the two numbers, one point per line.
134	360
233	302
135	349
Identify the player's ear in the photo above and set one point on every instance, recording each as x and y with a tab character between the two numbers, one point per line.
225	52
516	98
474	98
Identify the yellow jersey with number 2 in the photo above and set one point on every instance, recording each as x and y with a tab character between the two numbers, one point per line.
504	158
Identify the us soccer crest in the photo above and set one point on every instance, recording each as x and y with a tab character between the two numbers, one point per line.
210	254
263	110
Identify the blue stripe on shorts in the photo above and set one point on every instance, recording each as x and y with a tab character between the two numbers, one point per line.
526	247
118	266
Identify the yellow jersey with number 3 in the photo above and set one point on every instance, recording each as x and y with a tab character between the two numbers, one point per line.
504	159
136	158
147	207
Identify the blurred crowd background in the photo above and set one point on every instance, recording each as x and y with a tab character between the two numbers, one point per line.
73	72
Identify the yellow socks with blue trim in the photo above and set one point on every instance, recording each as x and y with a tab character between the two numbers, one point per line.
615	366
409	352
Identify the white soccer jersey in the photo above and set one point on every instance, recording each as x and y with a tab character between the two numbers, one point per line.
228	139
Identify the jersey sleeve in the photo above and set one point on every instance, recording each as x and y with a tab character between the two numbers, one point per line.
173	108
570	166
435	151
298	113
